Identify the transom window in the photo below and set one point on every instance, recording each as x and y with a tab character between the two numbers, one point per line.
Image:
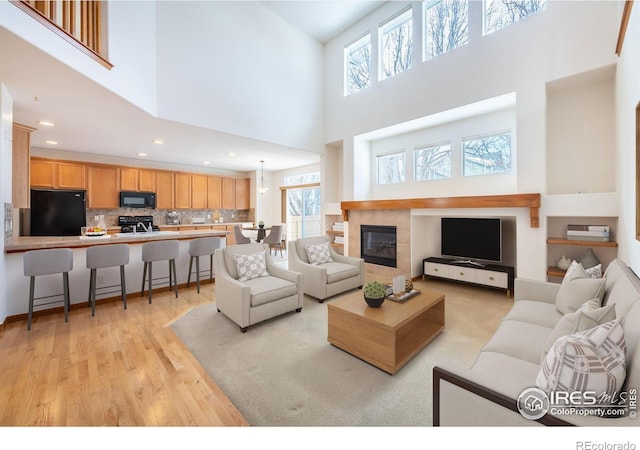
357	58
500	13
306	178
396	42
391	168
432	162
488	154
446	26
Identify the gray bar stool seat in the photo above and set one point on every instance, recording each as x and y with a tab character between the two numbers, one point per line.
160	251
202	247
48	262
103	256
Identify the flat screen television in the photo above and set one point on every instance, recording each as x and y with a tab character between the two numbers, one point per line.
472	238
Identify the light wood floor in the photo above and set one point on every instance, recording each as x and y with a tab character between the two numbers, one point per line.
119	368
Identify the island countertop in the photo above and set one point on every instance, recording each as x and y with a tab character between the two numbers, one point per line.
26	243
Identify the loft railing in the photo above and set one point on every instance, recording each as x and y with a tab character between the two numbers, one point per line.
82	23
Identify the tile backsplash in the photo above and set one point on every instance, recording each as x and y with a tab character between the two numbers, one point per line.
160	215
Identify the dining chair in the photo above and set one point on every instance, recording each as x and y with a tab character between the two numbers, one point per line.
274	238
240	238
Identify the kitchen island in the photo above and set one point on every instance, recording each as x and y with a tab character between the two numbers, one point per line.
18	284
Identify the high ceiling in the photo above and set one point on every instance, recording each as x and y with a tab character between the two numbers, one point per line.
40	84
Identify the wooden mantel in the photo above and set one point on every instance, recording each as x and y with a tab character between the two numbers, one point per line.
531	201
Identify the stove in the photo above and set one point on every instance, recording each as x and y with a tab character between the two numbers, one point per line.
130	223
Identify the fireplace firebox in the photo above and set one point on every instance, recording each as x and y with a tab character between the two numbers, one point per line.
378	245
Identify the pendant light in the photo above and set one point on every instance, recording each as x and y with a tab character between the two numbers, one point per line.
262	189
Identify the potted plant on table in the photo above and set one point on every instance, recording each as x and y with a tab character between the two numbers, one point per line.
261	224
374	293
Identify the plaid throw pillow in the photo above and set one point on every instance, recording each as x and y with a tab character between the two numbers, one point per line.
590	360
318	254
251	266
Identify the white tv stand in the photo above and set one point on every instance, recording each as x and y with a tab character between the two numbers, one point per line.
491	275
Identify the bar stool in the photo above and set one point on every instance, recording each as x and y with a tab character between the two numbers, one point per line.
202	247
102	256
48	262
159	251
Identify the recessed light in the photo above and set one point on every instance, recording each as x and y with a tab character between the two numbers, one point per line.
46	123
231	154
142	154
158	141
206	163
51	142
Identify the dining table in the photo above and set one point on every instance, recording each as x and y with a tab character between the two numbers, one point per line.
262	232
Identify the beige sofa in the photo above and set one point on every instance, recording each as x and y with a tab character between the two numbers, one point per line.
257	299
486	394
328	279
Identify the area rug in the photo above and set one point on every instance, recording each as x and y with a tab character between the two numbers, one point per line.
283	372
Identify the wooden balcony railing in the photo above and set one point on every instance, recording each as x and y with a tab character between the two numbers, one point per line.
79	22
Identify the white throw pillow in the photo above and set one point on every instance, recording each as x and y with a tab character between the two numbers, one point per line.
574	293
594	272
583	319
574	271
318	254
251	266
591	360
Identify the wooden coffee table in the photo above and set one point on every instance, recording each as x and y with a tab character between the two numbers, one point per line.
388	336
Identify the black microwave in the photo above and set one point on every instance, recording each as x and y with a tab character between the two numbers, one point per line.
129	199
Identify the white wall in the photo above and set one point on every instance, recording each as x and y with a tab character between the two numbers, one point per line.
6	149
627	99
250	72
521	59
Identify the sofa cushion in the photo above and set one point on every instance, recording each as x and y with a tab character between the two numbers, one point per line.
269	288
318	254
504	373
591	360
519	339
572	294
623	294
579	321
589	260
251	266
531	311
337	271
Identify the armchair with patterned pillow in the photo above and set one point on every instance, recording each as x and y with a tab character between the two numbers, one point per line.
326	273
251	289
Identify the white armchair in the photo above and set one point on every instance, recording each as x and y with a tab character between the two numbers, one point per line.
326	279
255	299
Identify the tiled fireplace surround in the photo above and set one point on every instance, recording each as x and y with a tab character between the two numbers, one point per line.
398	213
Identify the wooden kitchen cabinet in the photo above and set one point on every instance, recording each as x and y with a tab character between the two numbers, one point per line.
58	174
103	187
243	197
199	191
137	180
164	190
228	193
214	192
20	170
182	190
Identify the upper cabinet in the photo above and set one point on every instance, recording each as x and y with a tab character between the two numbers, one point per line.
21	153
164	190
182	190
243	199
58	174
214	192
199	191
228	193
138	180
103	187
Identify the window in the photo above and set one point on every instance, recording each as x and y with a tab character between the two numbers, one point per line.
432	163
306	178
357	58
500	13
487	154
391	168
396	43
446	26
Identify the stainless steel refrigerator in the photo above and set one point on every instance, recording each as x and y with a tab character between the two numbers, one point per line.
57	212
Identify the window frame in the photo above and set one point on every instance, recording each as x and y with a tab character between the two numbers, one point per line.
425	29
431	146
496	133
485	32
355	43
383	28
402	152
